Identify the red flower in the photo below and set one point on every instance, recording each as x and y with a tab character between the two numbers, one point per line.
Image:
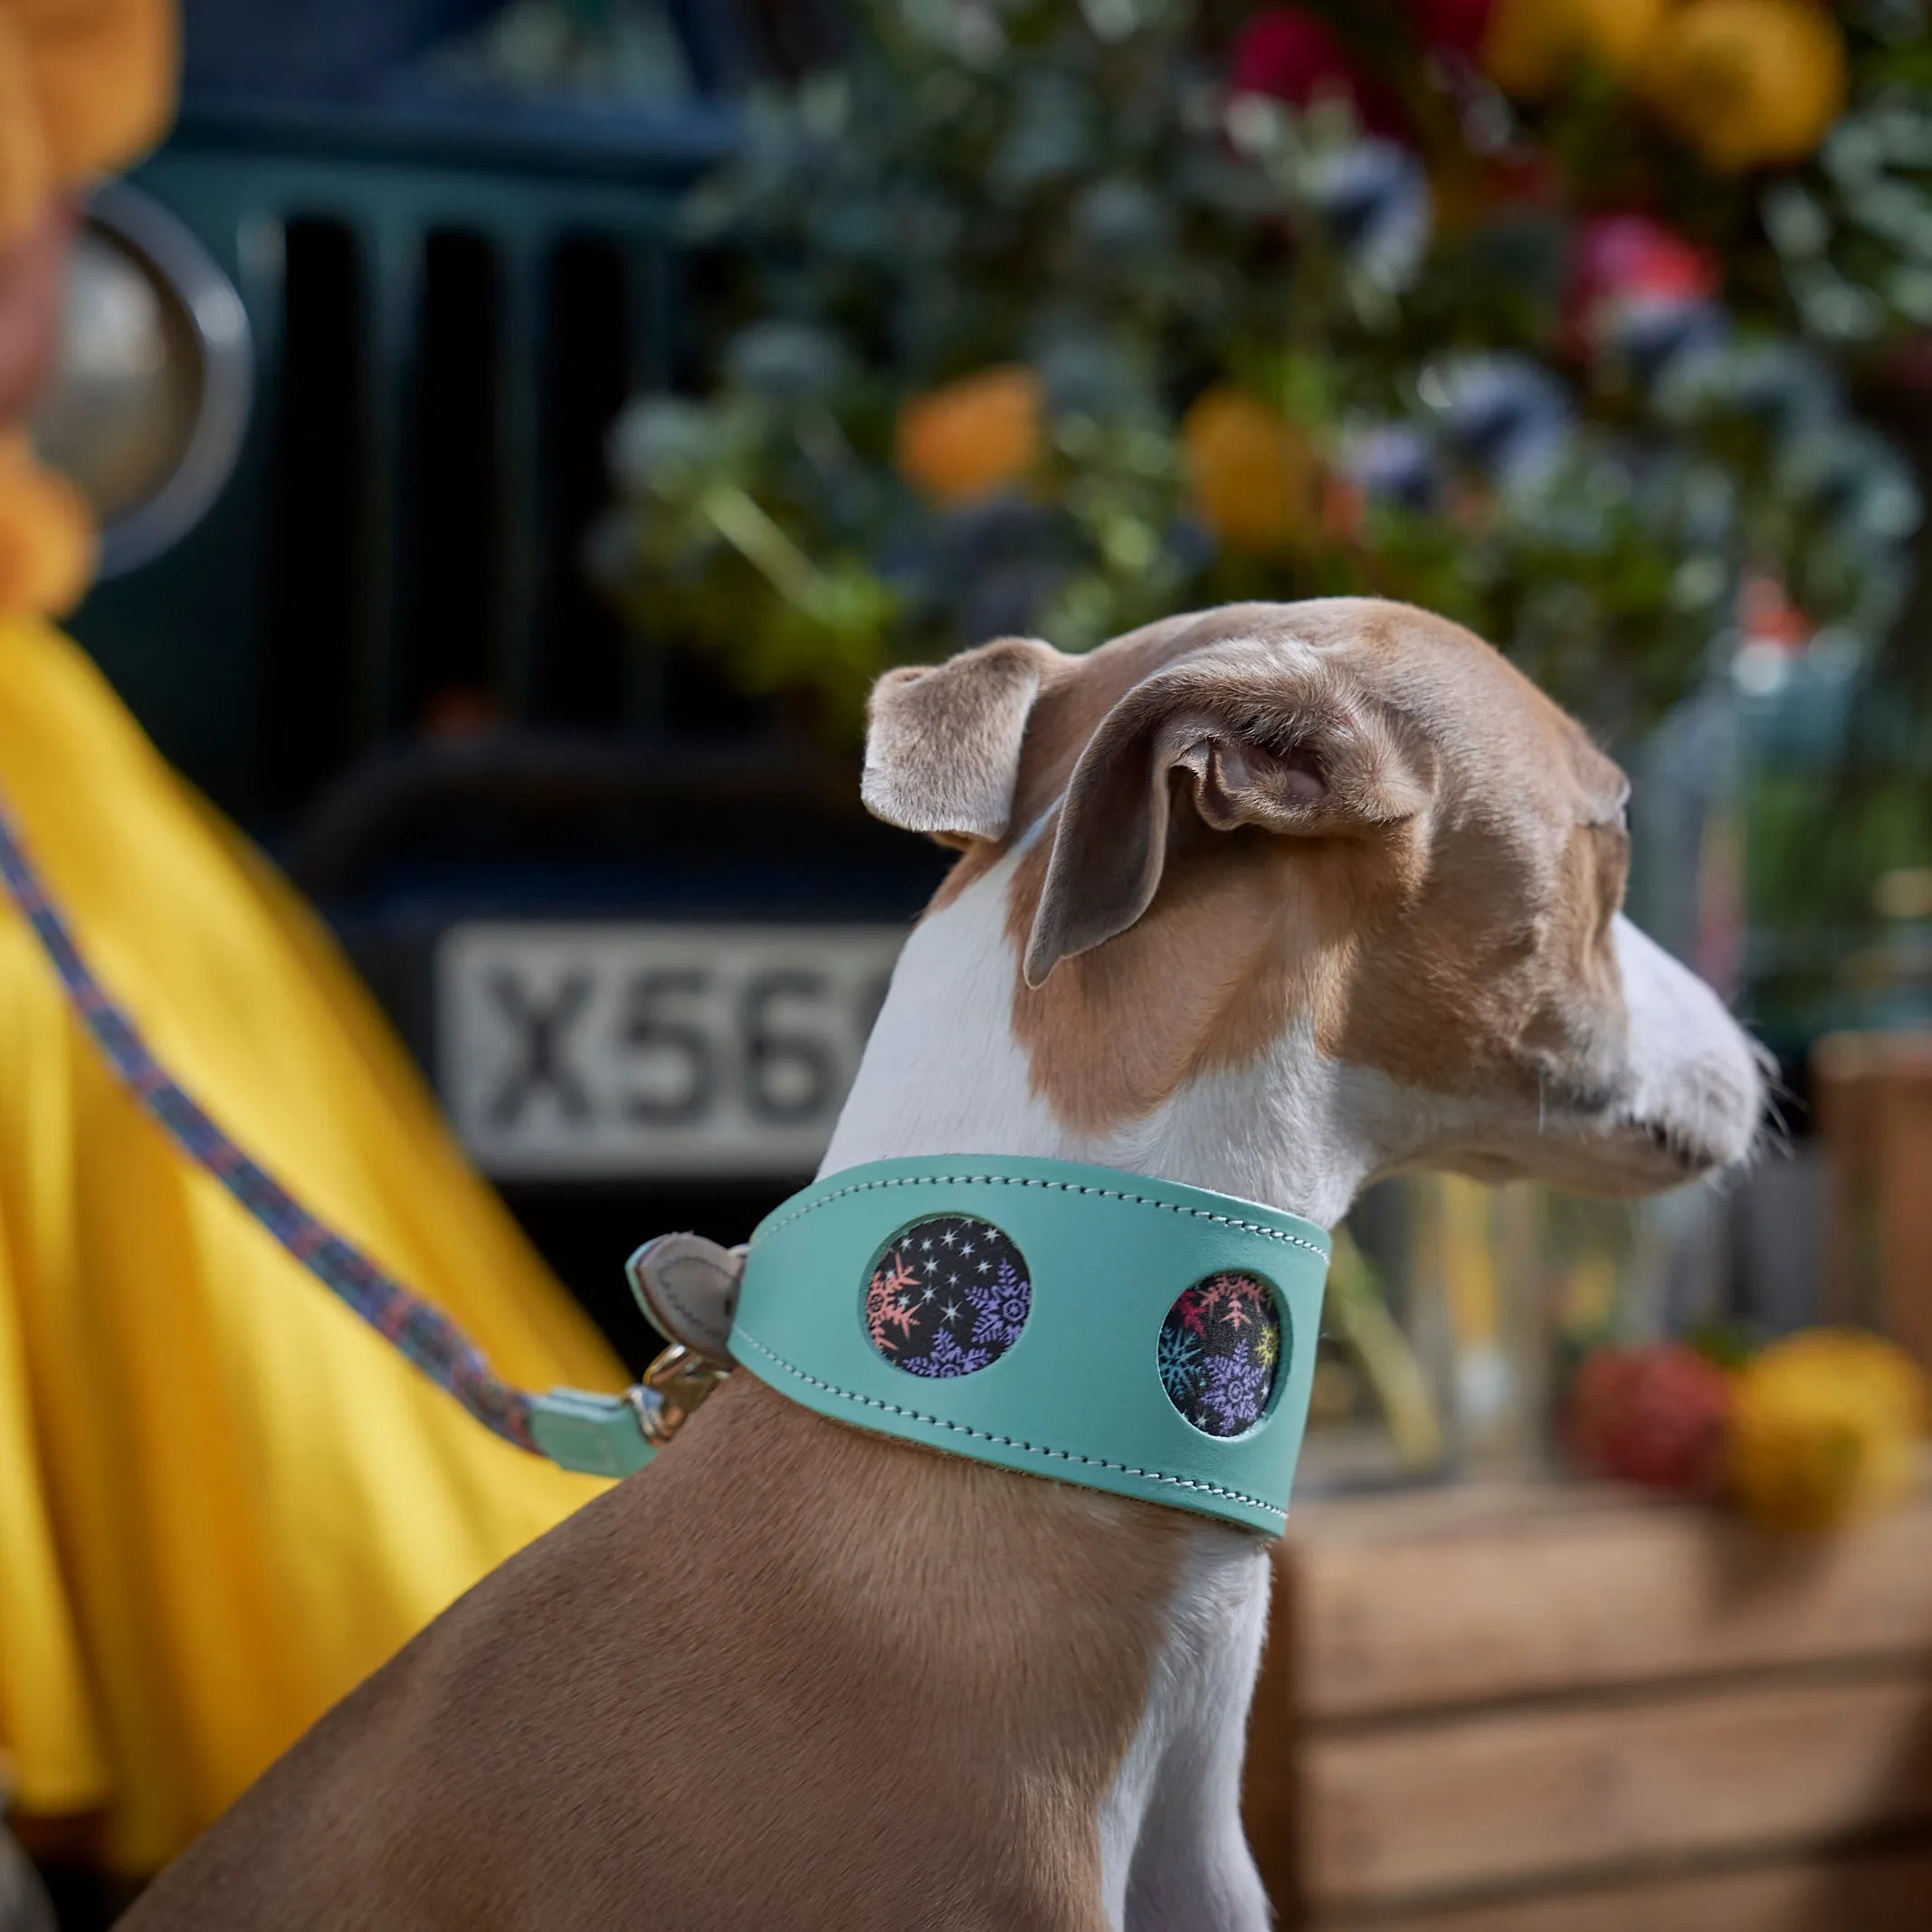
1622	261
1293	55
1452	26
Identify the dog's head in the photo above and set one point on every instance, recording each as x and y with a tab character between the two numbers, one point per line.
1343	834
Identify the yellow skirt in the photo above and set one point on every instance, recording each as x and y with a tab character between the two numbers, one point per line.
223	1500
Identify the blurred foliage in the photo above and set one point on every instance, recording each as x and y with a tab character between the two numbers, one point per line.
609	52
1056	320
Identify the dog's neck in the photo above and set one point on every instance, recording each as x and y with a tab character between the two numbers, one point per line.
943	1073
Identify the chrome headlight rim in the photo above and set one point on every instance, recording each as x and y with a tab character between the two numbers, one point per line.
208	302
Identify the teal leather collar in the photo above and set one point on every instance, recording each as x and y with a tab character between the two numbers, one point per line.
1097	1327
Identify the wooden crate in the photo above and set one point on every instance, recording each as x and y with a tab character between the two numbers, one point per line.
1572	1710
1873	1093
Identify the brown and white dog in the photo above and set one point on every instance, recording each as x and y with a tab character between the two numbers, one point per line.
1272	900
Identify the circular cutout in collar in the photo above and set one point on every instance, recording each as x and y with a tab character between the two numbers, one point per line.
948	1297
1221	1350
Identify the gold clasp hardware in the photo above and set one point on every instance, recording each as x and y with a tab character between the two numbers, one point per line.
673	1388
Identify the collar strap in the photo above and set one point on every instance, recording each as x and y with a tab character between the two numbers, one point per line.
1104	1330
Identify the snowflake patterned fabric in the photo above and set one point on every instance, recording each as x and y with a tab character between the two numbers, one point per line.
949	1295
1221	1353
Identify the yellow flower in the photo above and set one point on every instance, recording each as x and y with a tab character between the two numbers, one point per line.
965	440
1748	83
1826	1426
1531	44
1256	481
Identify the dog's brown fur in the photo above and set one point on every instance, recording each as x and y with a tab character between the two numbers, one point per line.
1463	940
941	1767
806	1677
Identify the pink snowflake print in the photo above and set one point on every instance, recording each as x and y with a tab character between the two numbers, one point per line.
1220	1353
888	1302
948	1297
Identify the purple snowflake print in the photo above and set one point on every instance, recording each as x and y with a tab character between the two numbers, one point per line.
948	1297
1220	1353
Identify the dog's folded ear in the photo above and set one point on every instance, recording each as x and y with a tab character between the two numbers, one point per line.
942	745
1297	758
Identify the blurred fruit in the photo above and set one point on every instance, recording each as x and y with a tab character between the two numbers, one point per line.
1531	46
1748	82
1653	1415
969	437
1256	481
47	535
1826	1426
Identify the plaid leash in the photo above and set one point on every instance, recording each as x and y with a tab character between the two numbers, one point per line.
427	1337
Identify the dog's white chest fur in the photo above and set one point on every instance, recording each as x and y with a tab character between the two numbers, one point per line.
942	1072
1171	1847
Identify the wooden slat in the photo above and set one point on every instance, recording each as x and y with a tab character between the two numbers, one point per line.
1427	1601
1874	1093
1905	1208
1871	1894
1534	1795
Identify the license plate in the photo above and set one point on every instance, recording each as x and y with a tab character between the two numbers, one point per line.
611	1051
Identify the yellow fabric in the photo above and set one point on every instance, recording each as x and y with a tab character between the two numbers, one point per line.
223	1500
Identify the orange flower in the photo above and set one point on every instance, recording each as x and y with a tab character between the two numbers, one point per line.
106	73
967	438
1748	83
1256	481
85	85
47	535
26	176
1531	44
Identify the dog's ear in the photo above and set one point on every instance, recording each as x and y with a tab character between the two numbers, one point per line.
942	743
1302	763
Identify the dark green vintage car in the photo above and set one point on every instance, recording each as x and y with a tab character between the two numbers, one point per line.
340	362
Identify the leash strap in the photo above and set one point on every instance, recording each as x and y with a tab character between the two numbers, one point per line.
1101	1329
596	1434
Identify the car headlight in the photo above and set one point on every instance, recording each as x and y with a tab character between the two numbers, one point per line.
149	398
